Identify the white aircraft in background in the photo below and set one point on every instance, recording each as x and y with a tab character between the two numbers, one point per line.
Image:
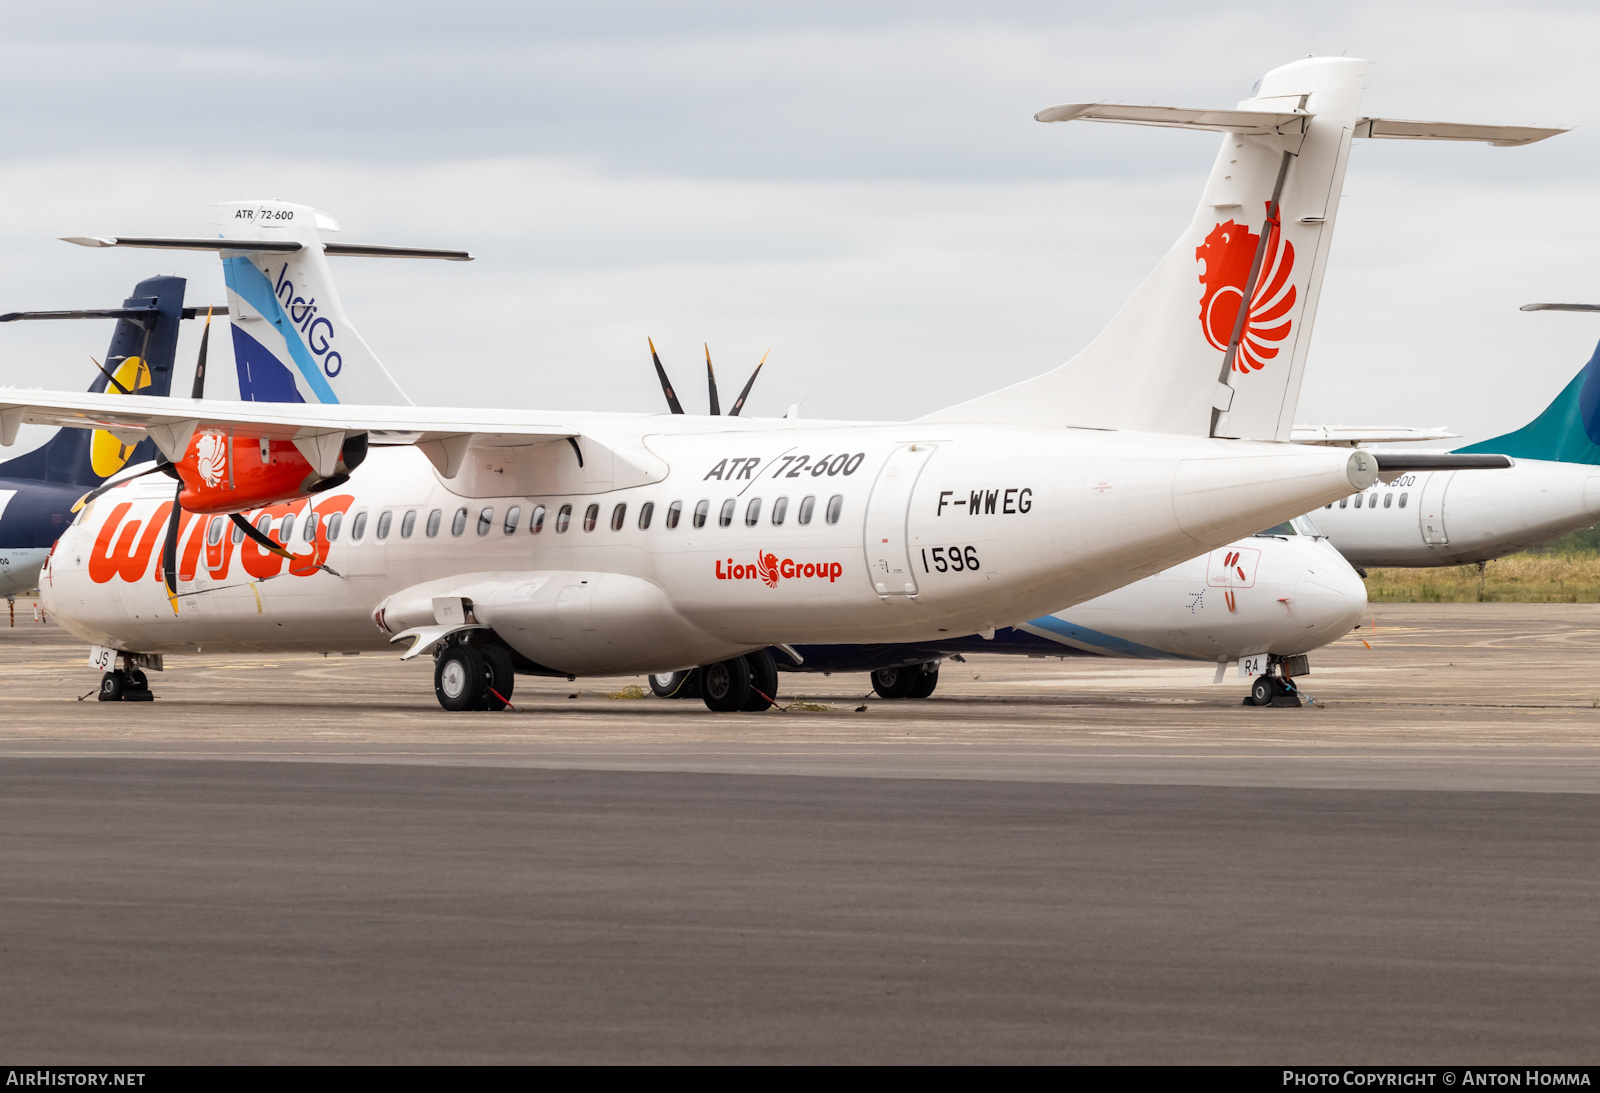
1457	517
588	543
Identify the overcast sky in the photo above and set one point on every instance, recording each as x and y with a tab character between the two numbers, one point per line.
858	185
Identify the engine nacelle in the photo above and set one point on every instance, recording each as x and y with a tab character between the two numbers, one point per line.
223	473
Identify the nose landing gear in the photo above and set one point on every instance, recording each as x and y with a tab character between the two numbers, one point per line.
1275	686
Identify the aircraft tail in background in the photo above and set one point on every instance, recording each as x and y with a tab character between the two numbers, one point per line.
1214	342
292	341
1568	431
140	359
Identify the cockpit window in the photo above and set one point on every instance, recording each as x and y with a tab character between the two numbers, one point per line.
1285	528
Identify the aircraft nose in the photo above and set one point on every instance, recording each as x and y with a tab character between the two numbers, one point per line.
1330	597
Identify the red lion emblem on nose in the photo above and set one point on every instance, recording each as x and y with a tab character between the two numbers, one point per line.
767	566
1225	259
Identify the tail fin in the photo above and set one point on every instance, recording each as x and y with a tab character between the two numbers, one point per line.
1569	429
140	359
1186	354
291	339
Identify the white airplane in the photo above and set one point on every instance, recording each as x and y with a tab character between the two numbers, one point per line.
1457	517
589	543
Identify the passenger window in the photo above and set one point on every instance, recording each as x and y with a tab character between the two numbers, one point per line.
264	524
536	525
238	534
591	516
780	509
701	508
435	518
334	523
286	529
752	512
646	510
835	507
1402	500
618	515
485	519
214	530
563	519
408	523
458	524
1388	499
806	505
385	518
309	534
513	518
1359	496
674	514
358	527
725	515
1344	503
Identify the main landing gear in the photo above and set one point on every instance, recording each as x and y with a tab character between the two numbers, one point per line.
125	685
473	677
747	684
916	681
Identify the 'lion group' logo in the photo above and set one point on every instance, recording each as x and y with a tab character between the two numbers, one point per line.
211	458
1225	260
769	568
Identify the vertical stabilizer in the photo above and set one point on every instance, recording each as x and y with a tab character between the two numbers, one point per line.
291	339
1568	431
1186	354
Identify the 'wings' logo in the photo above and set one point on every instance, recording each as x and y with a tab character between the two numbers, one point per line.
211	458
1225	260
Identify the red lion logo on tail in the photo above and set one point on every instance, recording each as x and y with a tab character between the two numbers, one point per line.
1225	259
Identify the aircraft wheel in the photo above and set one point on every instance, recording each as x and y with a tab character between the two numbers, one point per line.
925	681
763	681
895	682
112	685
500	677
725	685
676	684
460	678
1263	690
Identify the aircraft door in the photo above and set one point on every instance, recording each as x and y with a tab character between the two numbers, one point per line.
888	546
1430	508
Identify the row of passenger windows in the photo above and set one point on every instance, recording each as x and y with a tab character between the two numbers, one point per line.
804	512
1372	501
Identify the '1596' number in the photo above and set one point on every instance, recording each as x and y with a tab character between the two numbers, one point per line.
950	559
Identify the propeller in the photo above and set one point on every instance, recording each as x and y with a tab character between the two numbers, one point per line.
711	382
169	548
666	385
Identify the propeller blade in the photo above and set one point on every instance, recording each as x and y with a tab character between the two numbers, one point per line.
711	381
255	535
738	403
666	385
199	389
169	551
110	377
98	490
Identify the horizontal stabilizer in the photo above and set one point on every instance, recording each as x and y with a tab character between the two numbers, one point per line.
137	314
1354	436
1400	462
1249	123
1559	307
281	246
1501	136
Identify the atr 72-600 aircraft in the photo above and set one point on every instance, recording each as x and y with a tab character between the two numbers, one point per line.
584	543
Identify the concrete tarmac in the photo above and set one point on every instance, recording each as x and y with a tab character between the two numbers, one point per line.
294	858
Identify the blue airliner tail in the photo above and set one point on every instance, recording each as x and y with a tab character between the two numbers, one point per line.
140	358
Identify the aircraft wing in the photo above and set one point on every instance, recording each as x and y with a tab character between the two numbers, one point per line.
444	435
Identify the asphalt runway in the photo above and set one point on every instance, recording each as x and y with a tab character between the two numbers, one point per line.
299	859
